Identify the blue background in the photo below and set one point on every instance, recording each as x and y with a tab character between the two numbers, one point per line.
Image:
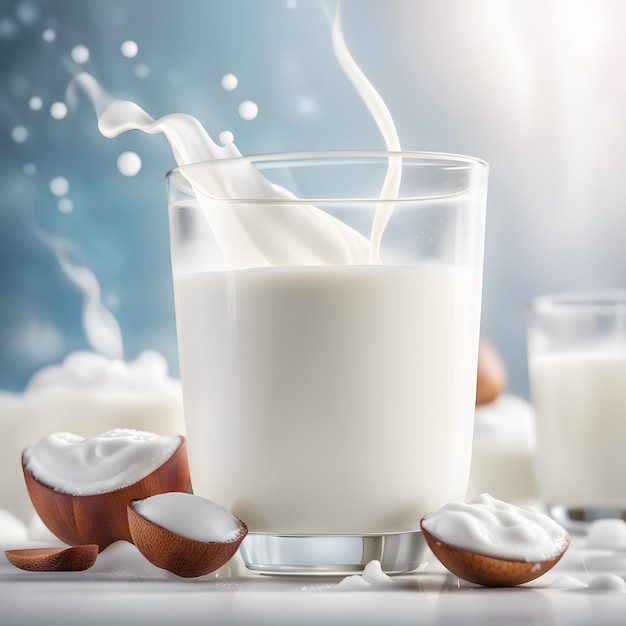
536	88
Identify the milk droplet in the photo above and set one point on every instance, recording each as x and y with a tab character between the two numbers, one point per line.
48	35
58	110
226	137
80	54
65	205
29	169
35	103
229	82
129	163
129	49
248	110
59	186
19	134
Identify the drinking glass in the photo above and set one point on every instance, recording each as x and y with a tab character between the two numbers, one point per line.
577	369
327	312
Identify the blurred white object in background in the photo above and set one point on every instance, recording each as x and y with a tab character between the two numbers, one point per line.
503	457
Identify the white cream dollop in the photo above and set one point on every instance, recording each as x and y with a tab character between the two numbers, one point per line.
190	516
373	577
112	460
606	534
88	371
493	528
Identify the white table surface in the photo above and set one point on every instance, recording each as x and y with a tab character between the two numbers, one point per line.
121	588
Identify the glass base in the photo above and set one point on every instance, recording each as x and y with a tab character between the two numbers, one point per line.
576	519
332	555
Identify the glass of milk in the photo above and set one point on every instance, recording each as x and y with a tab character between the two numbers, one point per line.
577	367
327	310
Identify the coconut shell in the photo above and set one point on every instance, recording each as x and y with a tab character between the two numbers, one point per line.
182	556
485	570
101	518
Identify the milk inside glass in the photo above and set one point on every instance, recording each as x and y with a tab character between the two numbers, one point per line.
329	399
577	369
580	399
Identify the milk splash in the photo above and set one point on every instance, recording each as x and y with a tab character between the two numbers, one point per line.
101	327
99	324
281	233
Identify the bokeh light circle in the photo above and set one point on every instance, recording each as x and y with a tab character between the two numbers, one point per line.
58	110
142	71
27	12
129	49
80	54
65	205
19	134
59	186
35	103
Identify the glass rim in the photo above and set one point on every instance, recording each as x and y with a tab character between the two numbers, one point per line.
340	154
607	302
299	159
